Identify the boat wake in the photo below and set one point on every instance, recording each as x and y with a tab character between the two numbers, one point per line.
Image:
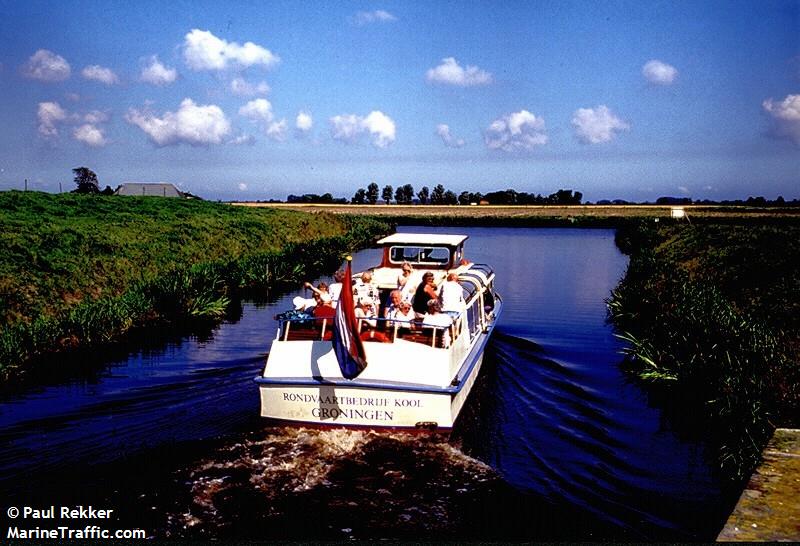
336	484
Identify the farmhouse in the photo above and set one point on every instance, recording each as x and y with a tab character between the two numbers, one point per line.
139	188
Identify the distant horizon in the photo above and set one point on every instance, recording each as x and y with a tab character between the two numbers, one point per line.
247	101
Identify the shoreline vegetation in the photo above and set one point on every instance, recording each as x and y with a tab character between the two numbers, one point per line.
710	315
708	307
81	271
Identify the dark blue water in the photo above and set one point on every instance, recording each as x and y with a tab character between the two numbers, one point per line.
553	414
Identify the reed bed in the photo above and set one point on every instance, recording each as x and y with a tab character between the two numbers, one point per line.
711	341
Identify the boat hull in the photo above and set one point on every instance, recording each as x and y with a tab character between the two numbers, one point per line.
372	407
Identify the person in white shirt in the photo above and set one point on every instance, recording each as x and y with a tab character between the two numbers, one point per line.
451	295
399	310
364	289
335	288
365	315
435	317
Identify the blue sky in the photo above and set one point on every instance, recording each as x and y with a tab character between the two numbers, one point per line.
257	100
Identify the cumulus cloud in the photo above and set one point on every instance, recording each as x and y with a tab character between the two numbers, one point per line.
350	127
204	51
46	66
243	139
659	73
91	135
95	116
785	117
518	131
443	130
277	130
596	125
154	72
451	73
303	123
197	125
243	88
259	110
242	186
100	74
377	16
49	115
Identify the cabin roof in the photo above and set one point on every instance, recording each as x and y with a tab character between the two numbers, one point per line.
422	239
162	189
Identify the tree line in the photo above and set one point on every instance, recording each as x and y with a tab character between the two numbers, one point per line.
439	195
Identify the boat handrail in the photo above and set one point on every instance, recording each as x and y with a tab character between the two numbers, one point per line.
319	329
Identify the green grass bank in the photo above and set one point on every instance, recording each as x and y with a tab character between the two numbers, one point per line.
81	271
710	315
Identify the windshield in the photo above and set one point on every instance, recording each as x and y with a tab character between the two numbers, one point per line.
438	255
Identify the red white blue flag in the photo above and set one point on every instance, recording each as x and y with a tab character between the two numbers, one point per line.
347	345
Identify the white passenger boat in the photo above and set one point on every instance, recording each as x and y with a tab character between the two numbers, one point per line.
414	376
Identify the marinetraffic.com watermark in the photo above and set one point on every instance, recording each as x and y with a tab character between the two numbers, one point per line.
64	523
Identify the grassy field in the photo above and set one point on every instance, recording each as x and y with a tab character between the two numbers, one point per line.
576	212
78	269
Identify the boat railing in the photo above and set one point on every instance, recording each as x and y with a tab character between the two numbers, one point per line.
385	330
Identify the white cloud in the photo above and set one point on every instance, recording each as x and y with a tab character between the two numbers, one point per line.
443	130
596	125
91	135
303	122
242	186
99	73
277	130
349	127
518	131
659	73
243	88
243	139
154	72
377	16
785	117
191	124
95	116
46	66
684	190
257	110
50	114
451	73
204	51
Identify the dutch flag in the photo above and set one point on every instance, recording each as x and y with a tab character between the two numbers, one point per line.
347	345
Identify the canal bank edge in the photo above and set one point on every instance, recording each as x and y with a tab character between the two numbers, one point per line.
769	507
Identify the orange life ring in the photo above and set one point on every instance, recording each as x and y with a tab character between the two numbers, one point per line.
374	335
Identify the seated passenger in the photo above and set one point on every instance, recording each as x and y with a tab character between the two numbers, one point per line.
365	314
335	288
399	312
366	290
435	317
324	308
451	295
426	291
321	290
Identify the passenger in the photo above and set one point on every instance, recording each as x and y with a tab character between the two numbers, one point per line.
365	315
366	290
435	318
399	310
322	291
451	295
405	275
335	288
304	304
426	291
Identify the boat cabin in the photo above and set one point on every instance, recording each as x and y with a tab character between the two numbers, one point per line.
423	251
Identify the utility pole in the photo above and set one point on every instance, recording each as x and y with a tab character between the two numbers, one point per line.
26	184
59	188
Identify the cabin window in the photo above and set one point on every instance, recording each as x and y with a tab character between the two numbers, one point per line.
420	255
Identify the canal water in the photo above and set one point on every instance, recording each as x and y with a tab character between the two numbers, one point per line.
556	443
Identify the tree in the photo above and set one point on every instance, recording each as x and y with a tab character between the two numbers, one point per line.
86	180
464	198
107	191
408	194
360	197
449	198
422	195
387	193
399	196
437	195
372	193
